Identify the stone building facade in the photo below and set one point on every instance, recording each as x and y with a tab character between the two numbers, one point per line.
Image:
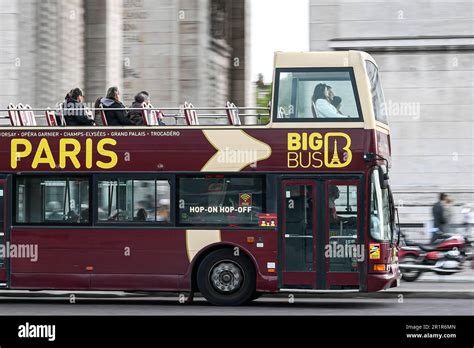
425	53
187	50
194	50
42	50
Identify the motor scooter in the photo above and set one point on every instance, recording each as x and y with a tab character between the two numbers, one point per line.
445	256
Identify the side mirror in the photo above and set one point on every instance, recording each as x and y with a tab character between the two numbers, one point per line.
383	169
394	221
399	230
383	177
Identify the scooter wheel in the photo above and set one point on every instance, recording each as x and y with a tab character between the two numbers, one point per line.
410	275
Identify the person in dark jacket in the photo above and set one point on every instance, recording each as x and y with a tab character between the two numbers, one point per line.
112	101
440	217
97	113
136	116
74	110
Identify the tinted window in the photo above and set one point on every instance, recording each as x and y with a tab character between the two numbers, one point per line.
378	100
126	200
316	94
52	200
220	201
299	239
342	208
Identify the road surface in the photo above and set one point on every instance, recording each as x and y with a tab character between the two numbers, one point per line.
417	298
262	306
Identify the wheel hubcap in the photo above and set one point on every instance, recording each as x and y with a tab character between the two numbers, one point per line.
226	277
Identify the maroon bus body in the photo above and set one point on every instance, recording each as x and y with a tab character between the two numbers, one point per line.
91	258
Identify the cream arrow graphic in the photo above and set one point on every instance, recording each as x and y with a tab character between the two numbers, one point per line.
235	150
198	239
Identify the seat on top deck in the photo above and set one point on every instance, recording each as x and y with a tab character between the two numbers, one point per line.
51	118
192	119
13	115
21	115
152	117
190	114
232	112
102	115
30	116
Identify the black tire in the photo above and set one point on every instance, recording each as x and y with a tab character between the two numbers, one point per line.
412	275
213	278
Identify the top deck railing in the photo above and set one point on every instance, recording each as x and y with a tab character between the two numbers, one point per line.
186	115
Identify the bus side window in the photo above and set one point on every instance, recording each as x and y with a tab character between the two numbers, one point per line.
342	207
126	200
56	200
220	201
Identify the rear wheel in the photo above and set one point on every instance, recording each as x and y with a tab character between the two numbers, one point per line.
225	279
410	275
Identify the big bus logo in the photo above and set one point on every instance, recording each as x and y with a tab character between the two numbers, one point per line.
68	151
313	150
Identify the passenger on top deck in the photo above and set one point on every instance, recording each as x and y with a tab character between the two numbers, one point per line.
147	99
112	101
321	105
97	116
136	116
74	110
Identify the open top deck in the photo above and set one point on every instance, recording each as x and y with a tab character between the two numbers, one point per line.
351	75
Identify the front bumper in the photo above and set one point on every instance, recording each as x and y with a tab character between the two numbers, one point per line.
382	281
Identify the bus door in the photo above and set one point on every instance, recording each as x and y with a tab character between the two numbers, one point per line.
321	246
298	233
344	251
3	234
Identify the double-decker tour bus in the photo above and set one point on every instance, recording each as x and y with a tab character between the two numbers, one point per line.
299	204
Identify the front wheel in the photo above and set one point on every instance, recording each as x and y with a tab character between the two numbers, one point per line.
225	279
410	275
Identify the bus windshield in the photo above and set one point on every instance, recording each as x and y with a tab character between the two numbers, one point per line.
378	99
316	93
